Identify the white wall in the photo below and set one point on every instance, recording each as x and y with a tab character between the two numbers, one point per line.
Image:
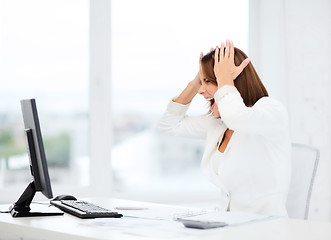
290	46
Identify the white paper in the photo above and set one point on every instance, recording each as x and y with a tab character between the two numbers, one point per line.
162	213
141	227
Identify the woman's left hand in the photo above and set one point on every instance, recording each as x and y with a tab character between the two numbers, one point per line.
224	68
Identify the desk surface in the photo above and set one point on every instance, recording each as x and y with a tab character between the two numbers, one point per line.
70	227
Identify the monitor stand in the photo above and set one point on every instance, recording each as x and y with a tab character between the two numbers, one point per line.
21	208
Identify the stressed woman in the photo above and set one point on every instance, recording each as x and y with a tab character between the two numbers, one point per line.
248	149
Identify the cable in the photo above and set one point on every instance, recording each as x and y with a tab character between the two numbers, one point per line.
41	203
32	202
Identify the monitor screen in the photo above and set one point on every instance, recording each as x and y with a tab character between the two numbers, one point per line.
38	164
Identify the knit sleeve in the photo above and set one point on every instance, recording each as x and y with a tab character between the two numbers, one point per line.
176	122
266	116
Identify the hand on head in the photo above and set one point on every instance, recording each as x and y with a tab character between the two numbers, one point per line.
199	77
224	68
197	80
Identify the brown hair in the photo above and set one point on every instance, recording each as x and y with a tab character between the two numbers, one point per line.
248	82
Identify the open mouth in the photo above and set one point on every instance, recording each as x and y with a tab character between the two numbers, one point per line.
212	104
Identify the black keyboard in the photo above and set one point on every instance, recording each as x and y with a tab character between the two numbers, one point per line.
84	209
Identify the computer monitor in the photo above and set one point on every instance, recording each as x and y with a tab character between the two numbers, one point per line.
38	164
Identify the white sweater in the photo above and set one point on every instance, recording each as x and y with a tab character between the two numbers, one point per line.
253	173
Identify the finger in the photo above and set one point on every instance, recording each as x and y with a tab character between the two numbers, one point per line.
222	51
227	49
201	55
243	65
231	50
216	54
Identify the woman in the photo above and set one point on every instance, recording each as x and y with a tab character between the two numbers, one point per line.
247	152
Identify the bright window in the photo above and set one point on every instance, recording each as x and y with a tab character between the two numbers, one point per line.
155	51
44	55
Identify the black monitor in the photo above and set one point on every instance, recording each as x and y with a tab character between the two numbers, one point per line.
38	164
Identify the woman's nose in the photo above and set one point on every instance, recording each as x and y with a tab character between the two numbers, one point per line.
201	89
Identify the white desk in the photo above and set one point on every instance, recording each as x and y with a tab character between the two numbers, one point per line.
70	227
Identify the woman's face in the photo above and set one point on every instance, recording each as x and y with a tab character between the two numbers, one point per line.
207	90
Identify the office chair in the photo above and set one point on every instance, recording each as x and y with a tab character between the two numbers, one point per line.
304	164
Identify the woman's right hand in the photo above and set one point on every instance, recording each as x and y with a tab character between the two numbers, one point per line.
196	82
191	90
